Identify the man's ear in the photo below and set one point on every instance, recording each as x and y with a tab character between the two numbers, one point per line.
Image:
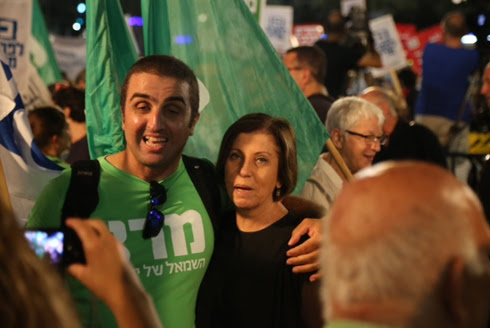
307	76
337	138
452	289
193	123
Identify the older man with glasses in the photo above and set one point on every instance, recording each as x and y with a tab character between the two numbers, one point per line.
355	127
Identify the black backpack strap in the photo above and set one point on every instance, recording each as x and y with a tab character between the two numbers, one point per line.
82	196
203	176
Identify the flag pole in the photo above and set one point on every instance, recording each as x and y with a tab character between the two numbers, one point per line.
400	101
338	159
4	192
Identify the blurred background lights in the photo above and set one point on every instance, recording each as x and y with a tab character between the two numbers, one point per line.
481	20
76	26
469	39
135	21
81	8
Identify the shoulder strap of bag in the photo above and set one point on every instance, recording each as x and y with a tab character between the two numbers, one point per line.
203	176
82	196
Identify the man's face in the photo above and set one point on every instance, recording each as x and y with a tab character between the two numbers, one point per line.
485	88
156	122
357	152
292	64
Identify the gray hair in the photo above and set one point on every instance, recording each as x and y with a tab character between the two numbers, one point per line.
383	96
348	111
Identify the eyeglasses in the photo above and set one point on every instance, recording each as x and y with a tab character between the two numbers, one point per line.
154	218
370	139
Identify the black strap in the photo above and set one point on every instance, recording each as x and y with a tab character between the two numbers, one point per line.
203	176
82	196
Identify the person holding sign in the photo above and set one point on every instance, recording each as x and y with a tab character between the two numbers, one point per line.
446	70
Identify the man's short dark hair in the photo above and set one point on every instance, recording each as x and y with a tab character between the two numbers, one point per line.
165	66
283	134
73	98
312	58
454	24
335	22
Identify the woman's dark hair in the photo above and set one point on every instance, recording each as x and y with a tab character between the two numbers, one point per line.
285	138
53	123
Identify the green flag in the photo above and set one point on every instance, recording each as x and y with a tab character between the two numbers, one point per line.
110	54
227	49
41	51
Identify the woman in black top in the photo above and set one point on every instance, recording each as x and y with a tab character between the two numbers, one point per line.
252	284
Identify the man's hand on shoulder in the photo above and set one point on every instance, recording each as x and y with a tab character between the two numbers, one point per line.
305	257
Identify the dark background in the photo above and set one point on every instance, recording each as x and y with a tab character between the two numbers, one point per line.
60	15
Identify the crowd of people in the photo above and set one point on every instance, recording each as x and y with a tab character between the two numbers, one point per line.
176	241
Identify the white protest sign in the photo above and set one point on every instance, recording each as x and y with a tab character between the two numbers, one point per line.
278	25
15	31
308	34
346	5
71	54
387	43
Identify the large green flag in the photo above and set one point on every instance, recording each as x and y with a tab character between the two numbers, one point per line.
230	53
41	51
110	54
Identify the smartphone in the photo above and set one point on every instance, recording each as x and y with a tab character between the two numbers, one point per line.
60	247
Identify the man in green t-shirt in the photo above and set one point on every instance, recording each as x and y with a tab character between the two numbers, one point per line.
167	232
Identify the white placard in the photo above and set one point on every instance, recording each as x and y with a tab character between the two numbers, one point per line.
387	43
15	31
346	5
71	54
278	25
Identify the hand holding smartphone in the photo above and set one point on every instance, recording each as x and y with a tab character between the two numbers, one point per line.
106	272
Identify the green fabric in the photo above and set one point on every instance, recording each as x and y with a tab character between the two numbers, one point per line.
222	42
170	266
42	54
110	54
352	324
58	161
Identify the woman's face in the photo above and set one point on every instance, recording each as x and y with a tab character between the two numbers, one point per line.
251	170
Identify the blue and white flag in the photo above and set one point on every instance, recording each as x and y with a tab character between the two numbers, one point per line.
26	169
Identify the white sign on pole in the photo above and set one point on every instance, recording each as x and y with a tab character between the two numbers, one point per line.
346	5
387	43
278	25
15	31
71	54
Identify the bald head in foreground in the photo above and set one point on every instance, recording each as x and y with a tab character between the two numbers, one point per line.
407	245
